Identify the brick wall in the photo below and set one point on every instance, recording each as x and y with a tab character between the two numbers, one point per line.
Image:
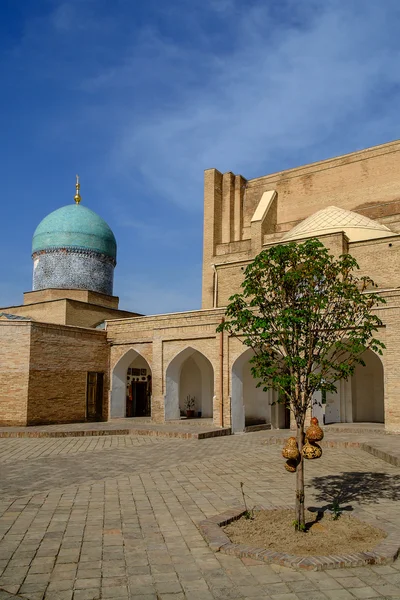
81	295
380	260
82	314
367	182
67	312
390	335
60	359
160	338
14	371
361	181
48	312
230	278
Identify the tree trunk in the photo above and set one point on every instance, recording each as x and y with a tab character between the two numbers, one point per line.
299	507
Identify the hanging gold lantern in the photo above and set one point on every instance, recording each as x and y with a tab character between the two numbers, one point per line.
291	450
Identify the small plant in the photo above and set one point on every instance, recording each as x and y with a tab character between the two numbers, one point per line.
248	514
190	402
336	510
299	526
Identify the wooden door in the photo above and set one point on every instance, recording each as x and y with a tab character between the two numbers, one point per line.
94	396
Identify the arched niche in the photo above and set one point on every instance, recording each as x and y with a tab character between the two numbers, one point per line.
125	386
361	397
189	373
250	405
367	390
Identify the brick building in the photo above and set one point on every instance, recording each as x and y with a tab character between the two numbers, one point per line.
55	366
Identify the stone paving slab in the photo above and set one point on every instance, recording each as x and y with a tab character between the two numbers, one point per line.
383	446
122	521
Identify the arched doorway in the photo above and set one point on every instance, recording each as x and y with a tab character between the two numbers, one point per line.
250	405
361	397
131	386
190	373
367	390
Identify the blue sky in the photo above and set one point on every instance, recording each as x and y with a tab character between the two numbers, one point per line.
140	96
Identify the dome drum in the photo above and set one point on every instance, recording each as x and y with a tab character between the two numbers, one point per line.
73	268
75	250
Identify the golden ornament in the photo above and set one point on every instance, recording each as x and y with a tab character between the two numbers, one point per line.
311	451
291	450
291	466
314	432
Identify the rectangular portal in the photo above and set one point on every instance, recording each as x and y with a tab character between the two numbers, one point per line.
94	396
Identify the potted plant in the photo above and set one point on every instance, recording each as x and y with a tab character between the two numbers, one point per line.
189	405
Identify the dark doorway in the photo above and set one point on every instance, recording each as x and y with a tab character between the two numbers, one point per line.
94	396
138	401
287	417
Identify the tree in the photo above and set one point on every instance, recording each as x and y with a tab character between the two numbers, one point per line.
308	318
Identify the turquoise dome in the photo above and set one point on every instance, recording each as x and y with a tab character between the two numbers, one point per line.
74	226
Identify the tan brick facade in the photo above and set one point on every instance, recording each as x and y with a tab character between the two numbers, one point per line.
367	182
43	372
61	358
241	217
43	368
15	344
81	308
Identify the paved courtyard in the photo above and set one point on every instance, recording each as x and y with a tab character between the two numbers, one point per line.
115	517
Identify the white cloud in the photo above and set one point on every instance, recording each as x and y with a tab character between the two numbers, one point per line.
144	100
281	90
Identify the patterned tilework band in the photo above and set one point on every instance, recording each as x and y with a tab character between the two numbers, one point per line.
73	268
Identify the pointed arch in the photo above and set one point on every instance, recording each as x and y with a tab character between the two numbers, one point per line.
361	397
367	390
250	405
119	381
190	372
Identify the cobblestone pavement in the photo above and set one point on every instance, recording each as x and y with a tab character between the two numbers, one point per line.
116	518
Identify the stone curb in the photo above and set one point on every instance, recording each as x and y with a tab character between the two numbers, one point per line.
384	553
200	435
392	459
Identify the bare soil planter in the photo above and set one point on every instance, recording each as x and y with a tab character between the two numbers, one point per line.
273	530
378	541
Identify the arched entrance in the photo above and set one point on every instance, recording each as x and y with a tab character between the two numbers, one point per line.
190	373
367	390
360	398
250	405
131	386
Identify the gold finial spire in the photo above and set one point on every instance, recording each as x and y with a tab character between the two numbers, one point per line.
77	196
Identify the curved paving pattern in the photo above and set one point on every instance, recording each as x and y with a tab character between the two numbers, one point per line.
118	518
